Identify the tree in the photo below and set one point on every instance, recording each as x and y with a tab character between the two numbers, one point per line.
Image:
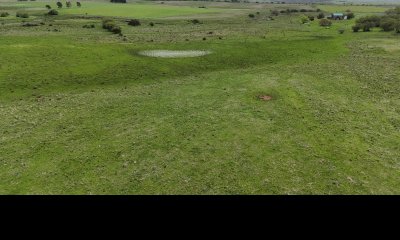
392	18
321	16
48	7
388	24
366	27
59	5
397	26
356	28
393	12
68	4
78	4
368	22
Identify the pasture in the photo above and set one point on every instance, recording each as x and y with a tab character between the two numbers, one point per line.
276	107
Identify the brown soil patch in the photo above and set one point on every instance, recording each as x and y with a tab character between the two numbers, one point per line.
265	97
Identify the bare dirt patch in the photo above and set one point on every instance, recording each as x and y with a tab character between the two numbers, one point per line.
265	97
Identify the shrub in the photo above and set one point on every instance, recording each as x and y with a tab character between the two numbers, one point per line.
48	7
304	19
325	23
134	22
303	10
59	5
251	15
116	30
195	21
350	15
311	18
151	24
321	16
110	25
22	15
4	14
30	25
88	26
78	4
275	12
52	12
356	28
68	4
341	31
118	1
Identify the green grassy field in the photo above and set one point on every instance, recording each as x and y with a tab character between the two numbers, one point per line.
141	10
135	10
82	113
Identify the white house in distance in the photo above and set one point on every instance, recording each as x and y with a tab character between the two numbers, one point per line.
337	16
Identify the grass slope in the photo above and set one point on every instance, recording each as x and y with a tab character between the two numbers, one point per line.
82	113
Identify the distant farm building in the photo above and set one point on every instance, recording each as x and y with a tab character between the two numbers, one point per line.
337	16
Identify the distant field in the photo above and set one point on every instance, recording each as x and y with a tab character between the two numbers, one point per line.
375	2
358	9
136	10
148	10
